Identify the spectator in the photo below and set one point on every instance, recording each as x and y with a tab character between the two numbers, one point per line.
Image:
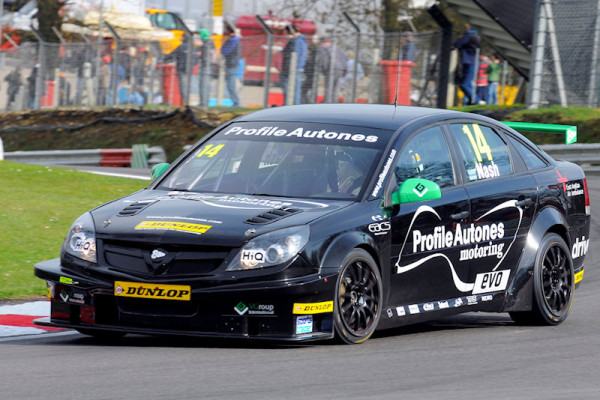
103	80
408	47
468	45
493	71
231	52
482	80
15	81
32	82
296	44
207	48
180	55
347	80
324	60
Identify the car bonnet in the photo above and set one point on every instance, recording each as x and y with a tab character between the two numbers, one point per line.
203	218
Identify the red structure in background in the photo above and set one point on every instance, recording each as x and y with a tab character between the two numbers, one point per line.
254	43
390	85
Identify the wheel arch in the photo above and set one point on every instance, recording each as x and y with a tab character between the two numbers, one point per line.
519	295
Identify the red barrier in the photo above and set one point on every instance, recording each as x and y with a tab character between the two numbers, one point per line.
115	157
389	81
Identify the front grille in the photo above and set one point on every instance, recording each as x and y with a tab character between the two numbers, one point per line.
178	261
273	215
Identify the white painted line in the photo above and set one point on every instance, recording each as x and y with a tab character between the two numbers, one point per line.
34	308
120	175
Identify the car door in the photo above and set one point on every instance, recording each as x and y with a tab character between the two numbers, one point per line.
424	260
503	195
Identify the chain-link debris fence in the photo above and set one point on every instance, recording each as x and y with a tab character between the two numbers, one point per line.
347	67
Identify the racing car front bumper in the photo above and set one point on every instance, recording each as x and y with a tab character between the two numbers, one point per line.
300	308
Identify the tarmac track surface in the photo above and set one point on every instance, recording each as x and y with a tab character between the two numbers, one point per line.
468	356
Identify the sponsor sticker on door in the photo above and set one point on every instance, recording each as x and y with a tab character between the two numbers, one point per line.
491	281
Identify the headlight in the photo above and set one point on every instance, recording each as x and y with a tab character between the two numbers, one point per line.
271	249
81	239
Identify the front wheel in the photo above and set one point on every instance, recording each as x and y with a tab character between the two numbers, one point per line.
358	298
552	286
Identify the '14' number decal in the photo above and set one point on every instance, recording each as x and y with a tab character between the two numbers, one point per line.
210	150
480	145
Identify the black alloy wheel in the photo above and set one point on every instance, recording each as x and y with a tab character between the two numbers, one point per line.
554	284
358	298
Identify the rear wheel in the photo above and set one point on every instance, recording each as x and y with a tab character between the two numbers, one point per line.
553	284
358	298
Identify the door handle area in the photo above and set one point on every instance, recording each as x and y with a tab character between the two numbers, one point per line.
524	203
460	215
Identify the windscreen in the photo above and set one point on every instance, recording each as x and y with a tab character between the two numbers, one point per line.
288	160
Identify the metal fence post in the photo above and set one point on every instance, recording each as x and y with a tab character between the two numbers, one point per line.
504	73
115	71
592	95
537	60
267	79
221	81
291	84
356	56
41	70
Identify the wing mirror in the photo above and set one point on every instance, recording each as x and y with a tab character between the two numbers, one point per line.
413	190
158	170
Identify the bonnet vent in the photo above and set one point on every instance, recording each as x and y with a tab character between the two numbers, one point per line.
273	215
135	208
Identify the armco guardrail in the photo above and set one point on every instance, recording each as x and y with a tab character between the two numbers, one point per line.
586	155
92	157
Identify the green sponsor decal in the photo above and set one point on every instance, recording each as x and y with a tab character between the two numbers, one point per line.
413	190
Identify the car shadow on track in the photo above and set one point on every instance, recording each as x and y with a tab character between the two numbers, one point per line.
452	323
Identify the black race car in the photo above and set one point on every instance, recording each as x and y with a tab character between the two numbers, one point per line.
306	222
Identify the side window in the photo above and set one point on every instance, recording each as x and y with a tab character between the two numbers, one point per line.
484	153
532	160
426	156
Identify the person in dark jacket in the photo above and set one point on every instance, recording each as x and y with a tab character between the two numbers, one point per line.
468	45
231	52
296	44
15	80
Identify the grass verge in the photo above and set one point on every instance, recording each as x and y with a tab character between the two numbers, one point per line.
39	204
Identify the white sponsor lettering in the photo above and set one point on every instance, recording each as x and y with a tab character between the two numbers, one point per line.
413	308
440	238
458	302
380	228
384	173
487	171
301	133
471	300
401	311
487	297
483	251
428	307
491	281
580	247
443	304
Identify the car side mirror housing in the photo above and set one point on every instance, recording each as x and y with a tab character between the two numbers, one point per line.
413	190
158	169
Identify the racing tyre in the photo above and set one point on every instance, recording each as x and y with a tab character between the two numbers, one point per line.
358	298
552	286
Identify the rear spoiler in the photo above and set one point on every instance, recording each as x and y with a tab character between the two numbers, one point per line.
570	131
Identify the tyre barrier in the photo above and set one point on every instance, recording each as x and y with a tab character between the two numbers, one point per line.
140	156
